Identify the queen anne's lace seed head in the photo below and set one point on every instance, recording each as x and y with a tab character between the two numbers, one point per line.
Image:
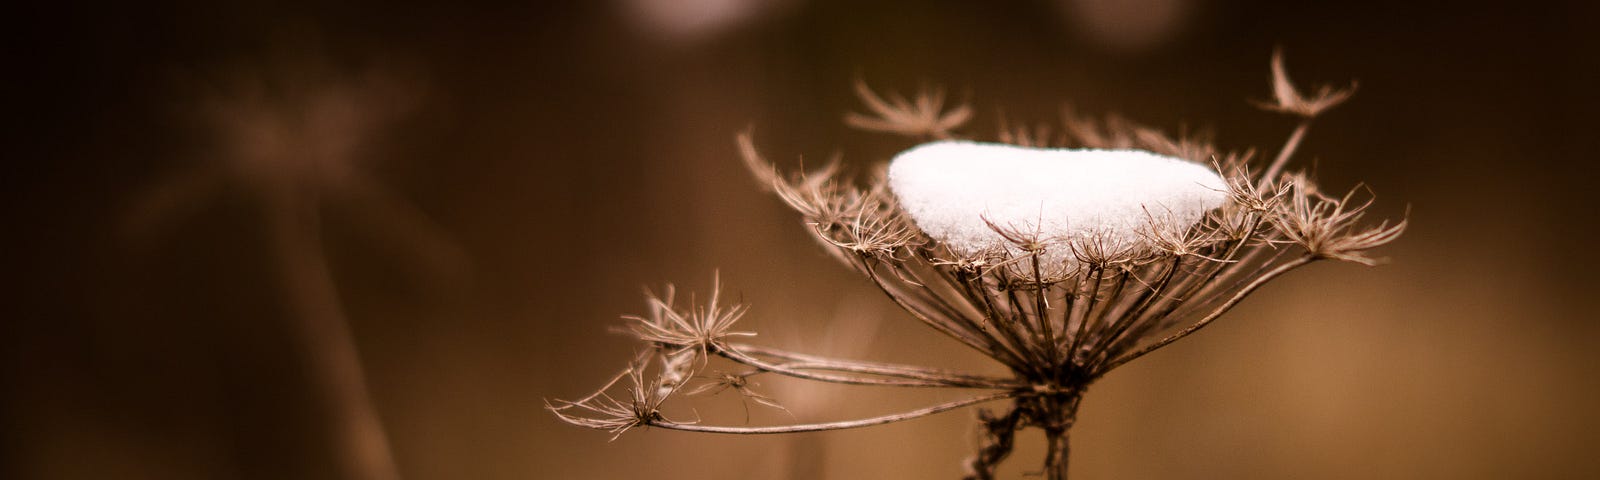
958	192
1060	264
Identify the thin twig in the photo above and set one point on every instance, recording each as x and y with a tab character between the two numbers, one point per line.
876	368
737	356
1271	175
840	425
1237	297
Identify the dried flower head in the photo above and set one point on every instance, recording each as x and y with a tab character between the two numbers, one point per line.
1328	227
924	117
705	328
640	407
1288	99
1059	263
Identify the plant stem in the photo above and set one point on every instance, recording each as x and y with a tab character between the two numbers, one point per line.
875	368
841	425
944	327
1271	175
907	379
999	436
1061	413
1237	297
1055	456
324	333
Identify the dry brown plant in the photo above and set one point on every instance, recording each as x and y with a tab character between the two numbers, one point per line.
1058	326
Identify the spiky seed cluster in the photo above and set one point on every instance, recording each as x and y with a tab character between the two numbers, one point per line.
639	408
1328	227
1059	307
704	328
923	117
1288	99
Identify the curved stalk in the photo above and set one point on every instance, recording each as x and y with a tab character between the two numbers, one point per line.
1003	352
1237	297
950	330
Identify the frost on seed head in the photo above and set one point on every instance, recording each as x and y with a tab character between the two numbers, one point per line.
968	195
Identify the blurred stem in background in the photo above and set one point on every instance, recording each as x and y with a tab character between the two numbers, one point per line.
290	142
320	326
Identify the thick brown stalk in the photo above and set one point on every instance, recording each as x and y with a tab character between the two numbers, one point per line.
1055	454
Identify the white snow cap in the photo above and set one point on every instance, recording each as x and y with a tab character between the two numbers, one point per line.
1065	195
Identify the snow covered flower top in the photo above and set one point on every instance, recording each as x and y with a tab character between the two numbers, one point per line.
960	193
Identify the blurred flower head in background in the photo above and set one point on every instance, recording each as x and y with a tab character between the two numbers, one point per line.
691	21
1127	26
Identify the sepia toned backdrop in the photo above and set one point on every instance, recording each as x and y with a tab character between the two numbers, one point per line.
493	183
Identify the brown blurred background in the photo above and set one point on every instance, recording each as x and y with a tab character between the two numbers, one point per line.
536	164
